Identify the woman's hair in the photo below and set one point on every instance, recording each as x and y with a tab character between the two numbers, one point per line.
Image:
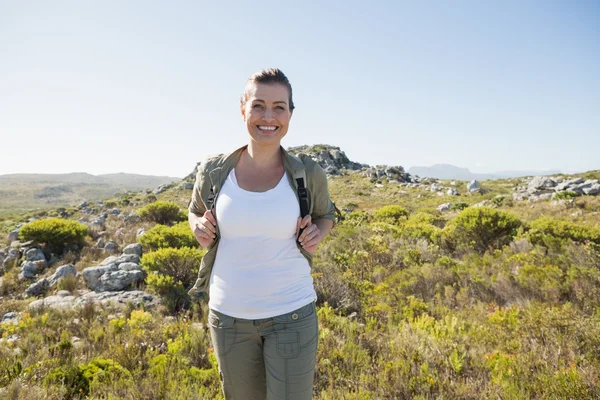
269	75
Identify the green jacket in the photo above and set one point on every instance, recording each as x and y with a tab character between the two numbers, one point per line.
214	171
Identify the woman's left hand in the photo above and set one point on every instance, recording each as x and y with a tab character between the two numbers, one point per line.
311	235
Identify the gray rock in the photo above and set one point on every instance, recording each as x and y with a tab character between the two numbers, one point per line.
128	258
62	272
188	185
92	275
38	288
564	185
484	203
59	301
118	280
100	243
593	190
12	317
12	236
129	266
452	192
473	185
109	260
83	205
378	185
114	211
134	248
11	258
434	188
541	183
140	232
119	299
30	269
160	189
444	207
111	247
519	196
131	218
35	255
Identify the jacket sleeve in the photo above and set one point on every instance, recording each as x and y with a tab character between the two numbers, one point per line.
323	207
197	205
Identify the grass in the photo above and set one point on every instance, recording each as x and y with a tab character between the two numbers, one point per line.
408	309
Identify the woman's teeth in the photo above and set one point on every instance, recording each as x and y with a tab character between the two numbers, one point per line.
267	128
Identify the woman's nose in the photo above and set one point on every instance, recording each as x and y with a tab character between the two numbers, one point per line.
268	114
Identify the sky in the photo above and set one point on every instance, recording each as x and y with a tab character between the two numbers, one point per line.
153	87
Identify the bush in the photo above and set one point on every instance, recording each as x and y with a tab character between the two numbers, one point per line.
356	218
543	227
162	212
180	264
565	195
161	236
458	206
56	234
391	214
482	228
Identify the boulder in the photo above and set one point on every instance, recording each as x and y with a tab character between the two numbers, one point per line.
12	257
62	272
12	236
111	247
124	258
30	269
38	288
92	274
473	186
35	255
119	299
592	190
62	300
134	248
452	192
444	207
118	280
129	266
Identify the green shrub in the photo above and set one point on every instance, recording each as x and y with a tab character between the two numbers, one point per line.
57	234
543	227
391	214
420	230
180	264
356	218
162	212
173	294
458	206
565	195
161	236
77	379
482	228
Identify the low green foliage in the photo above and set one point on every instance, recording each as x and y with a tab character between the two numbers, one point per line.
162	212
391	214
161	236
545	229
57	234
482	228
181	264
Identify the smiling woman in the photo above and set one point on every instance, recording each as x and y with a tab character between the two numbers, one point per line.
246	210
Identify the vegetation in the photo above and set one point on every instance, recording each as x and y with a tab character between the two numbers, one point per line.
162	212
473	303
56	234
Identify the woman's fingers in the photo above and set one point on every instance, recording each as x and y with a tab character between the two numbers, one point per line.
310	235
210	217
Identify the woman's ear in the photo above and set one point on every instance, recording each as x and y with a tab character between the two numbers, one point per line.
243	111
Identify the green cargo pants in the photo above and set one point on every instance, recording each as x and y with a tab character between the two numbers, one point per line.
270	358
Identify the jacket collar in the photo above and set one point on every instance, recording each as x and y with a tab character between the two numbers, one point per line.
292	164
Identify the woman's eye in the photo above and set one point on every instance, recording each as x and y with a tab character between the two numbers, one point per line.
279	108
257	106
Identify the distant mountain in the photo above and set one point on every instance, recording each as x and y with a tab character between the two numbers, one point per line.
30	191
447	171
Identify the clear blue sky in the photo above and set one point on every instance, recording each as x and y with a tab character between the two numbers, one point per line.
153	87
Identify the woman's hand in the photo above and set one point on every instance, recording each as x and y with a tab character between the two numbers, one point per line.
205	230
311	235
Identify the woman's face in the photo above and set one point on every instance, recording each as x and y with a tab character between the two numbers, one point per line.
266	112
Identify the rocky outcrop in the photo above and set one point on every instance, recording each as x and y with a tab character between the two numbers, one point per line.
116	273
545	187
64	299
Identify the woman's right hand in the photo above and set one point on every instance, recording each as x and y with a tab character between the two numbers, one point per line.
205	230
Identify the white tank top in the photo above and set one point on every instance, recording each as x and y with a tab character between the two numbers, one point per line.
259	272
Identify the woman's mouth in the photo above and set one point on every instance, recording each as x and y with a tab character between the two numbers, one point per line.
267	128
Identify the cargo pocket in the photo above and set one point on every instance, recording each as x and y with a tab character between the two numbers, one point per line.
223	331
288	344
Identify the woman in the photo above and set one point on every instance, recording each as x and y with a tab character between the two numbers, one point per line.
245	210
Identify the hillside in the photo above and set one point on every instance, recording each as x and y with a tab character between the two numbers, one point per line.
20	193
428	288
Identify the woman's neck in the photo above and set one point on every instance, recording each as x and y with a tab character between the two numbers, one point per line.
263	157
